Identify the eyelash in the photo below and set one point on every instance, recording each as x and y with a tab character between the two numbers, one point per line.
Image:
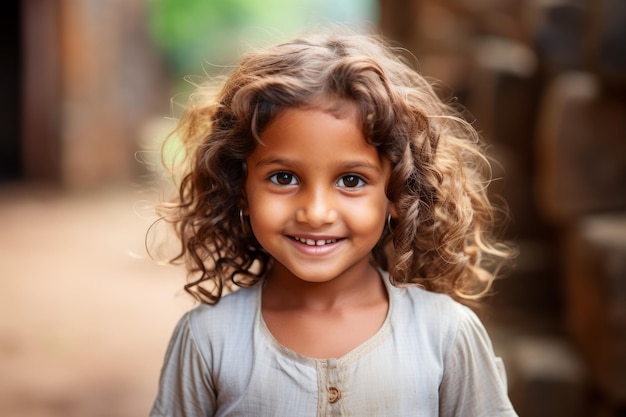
274	178
360	181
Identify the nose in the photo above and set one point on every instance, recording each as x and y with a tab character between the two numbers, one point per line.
317	207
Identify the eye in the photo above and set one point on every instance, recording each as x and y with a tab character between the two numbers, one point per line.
350	181
283	178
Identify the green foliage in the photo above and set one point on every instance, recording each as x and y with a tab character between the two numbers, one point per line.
192	33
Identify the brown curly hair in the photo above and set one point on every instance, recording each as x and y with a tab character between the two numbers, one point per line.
440	238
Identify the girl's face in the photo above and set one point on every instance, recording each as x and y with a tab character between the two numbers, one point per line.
315	193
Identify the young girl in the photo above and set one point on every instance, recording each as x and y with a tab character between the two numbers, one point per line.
342	206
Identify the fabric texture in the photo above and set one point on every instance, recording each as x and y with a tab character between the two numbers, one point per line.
431	357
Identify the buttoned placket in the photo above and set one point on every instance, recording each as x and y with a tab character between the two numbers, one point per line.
330	388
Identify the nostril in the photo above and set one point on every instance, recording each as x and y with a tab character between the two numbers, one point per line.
316	217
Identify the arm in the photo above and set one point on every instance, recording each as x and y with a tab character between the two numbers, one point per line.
185	387
474	380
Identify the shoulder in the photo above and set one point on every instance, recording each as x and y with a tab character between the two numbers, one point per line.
239	302
430	306
215	323
417	306
454	327
205	339
433	316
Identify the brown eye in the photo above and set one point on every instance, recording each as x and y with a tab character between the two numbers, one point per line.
351	181
283	178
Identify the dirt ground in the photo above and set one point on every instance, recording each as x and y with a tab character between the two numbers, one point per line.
85	315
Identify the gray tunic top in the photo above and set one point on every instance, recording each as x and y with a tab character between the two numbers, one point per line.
431	357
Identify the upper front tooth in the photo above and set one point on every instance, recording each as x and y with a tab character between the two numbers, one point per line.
312	242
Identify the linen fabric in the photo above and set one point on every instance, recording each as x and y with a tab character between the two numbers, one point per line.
431	357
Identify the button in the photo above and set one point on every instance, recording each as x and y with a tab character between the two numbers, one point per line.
333	395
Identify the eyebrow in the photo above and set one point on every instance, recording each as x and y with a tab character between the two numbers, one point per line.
275	161
343	165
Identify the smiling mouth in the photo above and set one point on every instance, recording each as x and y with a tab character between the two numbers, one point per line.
313	242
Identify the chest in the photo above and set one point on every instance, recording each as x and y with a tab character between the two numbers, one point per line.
325	334
385	376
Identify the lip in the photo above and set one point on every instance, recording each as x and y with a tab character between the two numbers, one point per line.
305	244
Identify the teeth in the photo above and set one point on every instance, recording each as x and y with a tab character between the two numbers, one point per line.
312	242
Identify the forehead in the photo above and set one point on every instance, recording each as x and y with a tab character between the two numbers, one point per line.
315	137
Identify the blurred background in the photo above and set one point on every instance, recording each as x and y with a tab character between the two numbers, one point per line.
89	89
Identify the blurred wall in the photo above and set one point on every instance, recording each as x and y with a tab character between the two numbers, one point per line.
91	78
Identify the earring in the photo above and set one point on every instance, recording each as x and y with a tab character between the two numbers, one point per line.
389	226
242	220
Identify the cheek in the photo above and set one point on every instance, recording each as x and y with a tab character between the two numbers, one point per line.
369	218
266	211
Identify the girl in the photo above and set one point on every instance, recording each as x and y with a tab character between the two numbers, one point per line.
342	206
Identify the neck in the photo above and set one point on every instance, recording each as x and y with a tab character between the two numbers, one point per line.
285	291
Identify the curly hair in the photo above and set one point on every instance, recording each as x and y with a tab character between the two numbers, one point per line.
438	184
